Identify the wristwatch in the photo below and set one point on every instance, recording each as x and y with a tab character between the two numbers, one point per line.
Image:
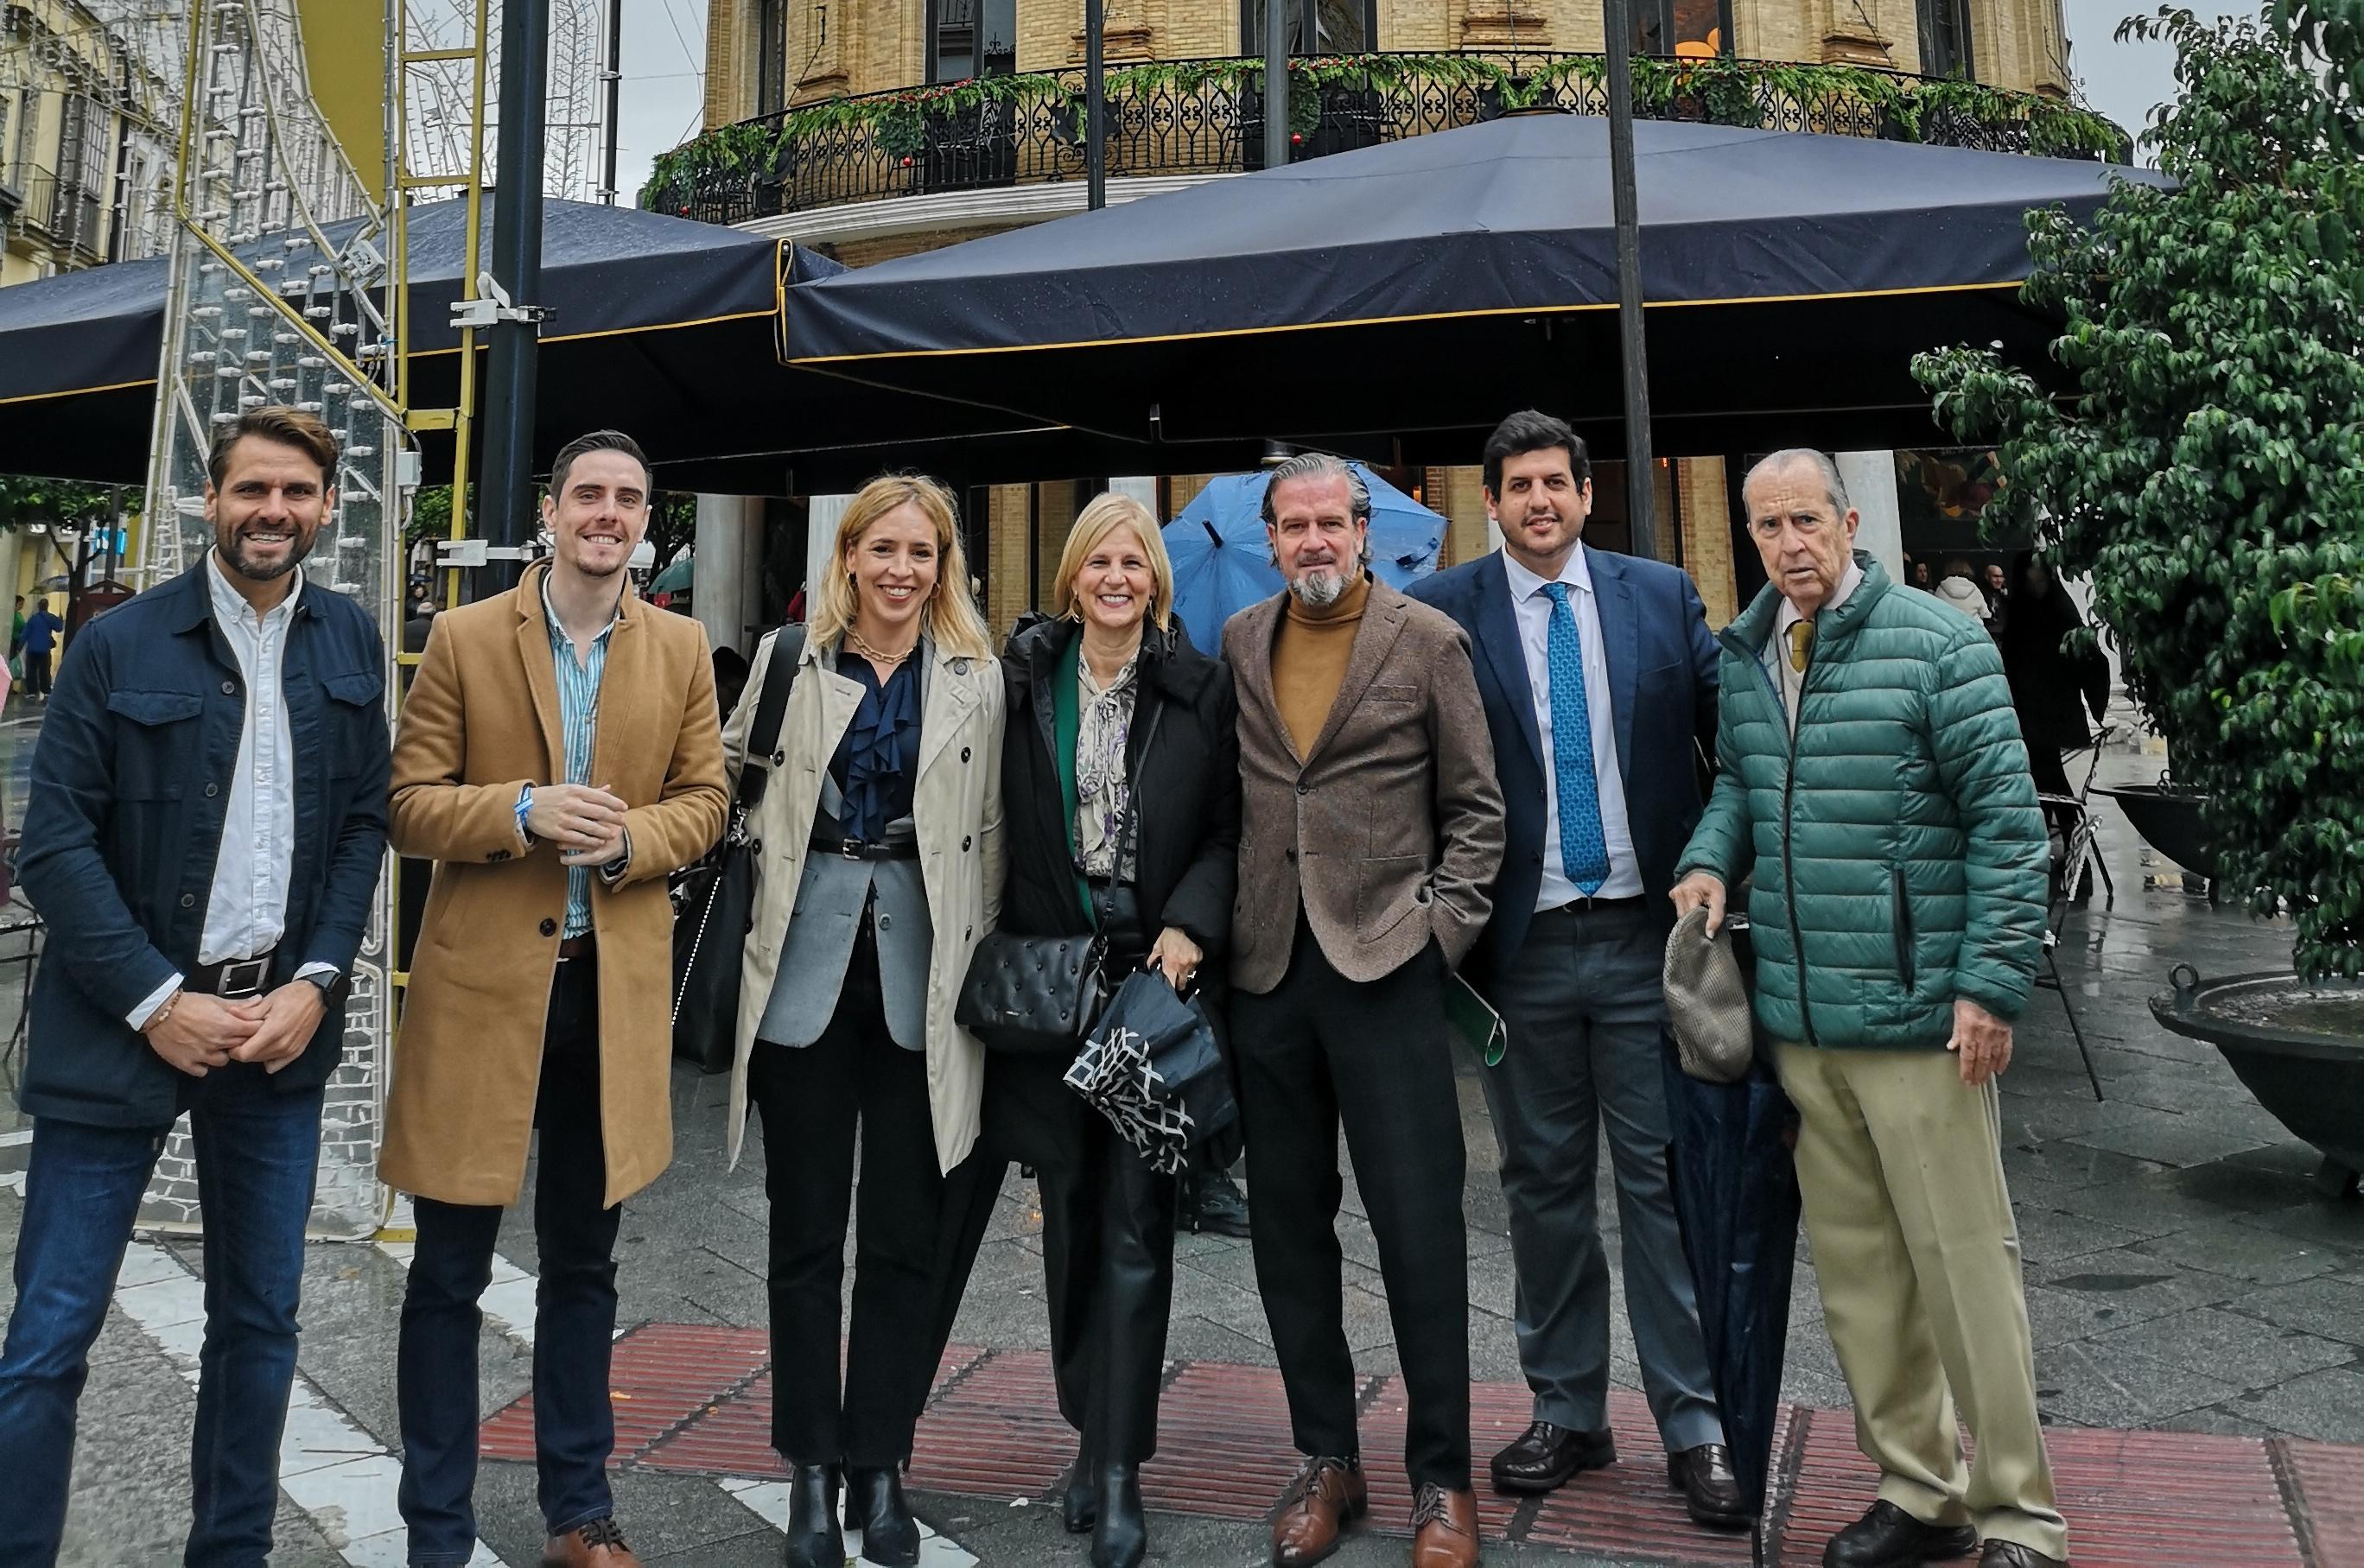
326	979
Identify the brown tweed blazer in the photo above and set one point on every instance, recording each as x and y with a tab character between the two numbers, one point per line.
1390	830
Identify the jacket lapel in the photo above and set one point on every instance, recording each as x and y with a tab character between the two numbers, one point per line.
1383	621
840	696
619	687
1620	646
1254	673
1498	635
943	706
540	675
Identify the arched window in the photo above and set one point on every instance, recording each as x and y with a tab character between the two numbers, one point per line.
1945	37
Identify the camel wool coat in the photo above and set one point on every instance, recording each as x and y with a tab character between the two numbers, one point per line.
481	721
956	809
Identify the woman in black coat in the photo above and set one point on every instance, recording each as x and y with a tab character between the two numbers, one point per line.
1121	783
2050	687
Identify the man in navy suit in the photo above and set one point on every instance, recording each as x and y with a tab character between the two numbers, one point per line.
1599	680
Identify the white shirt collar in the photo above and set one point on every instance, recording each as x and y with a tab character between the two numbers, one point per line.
230	604
1847	585
1525	585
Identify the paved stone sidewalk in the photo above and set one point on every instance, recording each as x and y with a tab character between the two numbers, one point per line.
2182	1275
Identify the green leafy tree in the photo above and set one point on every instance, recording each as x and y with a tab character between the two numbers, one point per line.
673	520
2207	469
58	502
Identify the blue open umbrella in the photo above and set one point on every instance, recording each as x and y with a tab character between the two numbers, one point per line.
1221	563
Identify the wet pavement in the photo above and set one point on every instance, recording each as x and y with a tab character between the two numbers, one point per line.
2183	1276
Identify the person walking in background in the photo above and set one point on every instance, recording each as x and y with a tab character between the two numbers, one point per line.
1998	590
2052	689
43	631
1922	578
205	834
1898	917
1371	827
1122	779
881	819
1956	591
17	641
1599	680
560	756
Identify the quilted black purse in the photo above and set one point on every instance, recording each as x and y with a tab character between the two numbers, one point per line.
714	901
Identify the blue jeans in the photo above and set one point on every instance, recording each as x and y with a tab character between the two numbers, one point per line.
258	1151
574	1310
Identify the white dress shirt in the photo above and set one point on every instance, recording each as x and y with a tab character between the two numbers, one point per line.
246	913
1792	684
1533	608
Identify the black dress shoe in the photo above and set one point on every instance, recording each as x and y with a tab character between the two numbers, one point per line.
813	1539
1546	1456
874	1506
1211	1201
1710	1491
1120	1539
1082	1505
2012	1554
1888	1537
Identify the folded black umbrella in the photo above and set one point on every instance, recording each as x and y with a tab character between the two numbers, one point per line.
1152	1068
1736	1188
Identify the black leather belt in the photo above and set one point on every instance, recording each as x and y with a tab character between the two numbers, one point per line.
583	946
238	978
1598	905
866	850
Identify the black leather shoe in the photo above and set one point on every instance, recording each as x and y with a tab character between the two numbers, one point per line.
1546	1456
1710	1491
1888	1537
1120	1539
874	1506
2012	1554
1213	1202
1082	1506
813	1539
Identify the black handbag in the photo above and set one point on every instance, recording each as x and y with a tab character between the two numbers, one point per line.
714	901
1041	995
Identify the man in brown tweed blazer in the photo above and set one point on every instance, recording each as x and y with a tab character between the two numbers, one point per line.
1371	828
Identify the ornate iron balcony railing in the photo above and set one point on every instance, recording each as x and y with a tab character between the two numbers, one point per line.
1206	117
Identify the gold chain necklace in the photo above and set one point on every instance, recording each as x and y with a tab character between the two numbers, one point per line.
861	646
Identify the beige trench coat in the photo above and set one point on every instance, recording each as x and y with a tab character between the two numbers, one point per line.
481	720
956	806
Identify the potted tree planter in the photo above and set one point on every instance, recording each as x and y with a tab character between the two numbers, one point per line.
2208	478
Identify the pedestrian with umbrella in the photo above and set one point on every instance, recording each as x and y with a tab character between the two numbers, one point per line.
1120	775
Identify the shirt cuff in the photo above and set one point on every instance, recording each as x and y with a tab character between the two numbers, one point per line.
526	840
613	871
137	1018
309	969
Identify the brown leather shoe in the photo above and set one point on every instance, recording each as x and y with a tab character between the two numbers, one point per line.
1444	1526
597	1544
2012	1554
1328	1495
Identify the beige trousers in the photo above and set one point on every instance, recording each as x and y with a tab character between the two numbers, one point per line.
1901	1167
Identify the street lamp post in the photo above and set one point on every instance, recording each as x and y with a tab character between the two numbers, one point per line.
510	378
1641	492
1094	109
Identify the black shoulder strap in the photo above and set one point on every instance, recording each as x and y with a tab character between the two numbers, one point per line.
771	702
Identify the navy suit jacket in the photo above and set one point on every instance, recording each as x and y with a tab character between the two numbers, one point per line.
1662	685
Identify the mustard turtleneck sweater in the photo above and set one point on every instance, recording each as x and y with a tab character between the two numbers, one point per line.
1309	660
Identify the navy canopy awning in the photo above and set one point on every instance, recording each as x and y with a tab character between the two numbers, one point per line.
1409	295
660	326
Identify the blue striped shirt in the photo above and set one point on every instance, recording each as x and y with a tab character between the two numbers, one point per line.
578	710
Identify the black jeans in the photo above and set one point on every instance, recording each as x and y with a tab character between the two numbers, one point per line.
37	674
1316	1052
574	1310
812	1098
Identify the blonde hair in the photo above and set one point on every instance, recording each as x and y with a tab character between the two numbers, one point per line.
950	618
1106	514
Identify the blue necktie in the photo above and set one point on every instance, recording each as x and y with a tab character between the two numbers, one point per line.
1583	850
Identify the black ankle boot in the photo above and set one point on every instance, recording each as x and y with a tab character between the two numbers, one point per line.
1082	1506
813	1538
1121	1537
874	1506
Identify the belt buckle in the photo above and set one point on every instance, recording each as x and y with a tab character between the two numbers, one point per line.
243	978
850	848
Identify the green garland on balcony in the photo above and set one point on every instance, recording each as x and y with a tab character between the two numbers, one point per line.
1729	92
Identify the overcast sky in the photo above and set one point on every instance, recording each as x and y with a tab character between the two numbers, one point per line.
665	55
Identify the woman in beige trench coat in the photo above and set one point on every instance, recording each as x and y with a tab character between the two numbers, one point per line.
878	872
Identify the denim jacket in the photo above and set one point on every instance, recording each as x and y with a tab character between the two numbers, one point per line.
130	781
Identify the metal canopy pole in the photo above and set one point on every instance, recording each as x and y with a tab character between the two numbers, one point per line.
1641	491
1095	108
1276	84
614	78
516	327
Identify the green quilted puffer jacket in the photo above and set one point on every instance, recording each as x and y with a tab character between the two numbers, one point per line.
1899	854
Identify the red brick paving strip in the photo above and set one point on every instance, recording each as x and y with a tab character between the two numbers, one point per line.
699	1399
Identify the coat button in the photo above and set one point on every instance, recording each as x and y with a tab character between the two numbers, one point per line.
885	922
1290	855
549	928
963	841
212	790
188	900
780	759
1305	789
963	753
229	688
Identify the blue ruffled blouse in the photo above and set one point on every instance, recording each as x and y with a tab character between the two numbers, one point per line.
878	758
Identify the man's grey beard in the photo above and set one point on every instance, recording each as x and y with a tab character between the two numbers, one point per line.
1320	587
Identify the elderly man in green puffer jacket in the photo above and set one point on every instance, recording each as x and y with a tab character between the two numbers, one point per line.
1873	779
